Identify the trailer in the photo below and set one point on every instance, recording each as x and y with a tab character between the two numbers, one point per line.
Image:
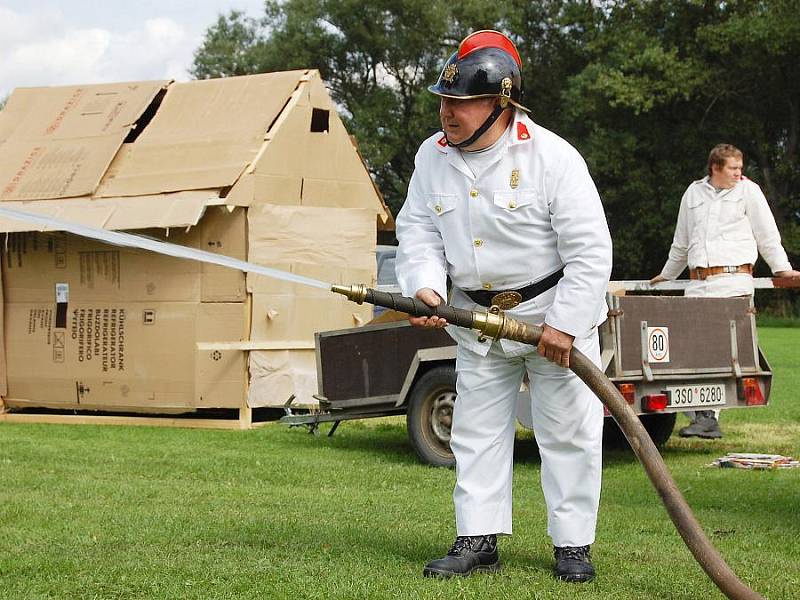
666	354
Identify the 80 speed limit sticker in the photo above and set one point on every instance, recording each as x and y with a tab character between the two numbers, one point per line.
658	344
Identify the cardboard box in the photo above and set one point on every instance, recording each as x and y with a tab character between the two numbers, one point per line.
282	374
257	168
124	355
36	263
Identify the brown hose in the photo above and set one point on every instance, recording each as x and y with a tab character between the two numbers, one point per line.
647	453
496	324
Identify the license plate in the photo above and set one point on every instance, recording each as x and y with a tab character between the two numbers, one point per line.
701	394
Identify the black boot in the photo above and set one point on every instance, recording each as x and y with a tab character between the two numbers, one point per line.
574	564
705	425
468	554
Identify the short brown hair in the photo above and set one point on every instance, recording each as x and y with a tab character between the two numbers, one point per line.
720	154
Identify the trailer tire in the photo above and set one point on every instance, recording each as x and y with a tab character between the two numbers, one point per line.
430	414
658	426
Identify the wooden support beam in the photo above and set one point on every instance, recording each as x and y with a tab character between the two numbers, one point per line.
257	345
11	417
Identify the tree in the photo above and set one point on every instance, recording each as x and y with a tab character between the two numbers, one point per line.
759	42
234	45
665	82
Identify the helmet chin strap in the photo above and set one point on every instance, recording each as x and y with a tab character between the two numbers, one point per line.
498	110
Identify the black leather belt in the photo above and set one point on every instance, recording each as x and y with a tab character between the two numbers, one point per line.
490	297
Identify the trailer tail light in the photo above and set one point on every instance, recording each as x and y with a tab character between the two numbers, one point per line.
654	402
752	392
628	391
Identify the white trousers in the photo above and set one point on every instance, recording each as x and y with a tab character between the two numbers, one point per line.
568	425
721	286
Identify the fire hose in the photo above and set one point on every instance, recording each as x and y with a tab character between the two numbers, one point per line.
494	324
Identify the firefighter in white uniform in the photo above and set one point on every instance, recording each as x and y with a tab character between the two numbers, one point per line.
724	222
500	204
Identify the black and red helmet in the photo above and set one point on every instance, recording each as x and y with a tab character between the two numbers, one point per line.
486	64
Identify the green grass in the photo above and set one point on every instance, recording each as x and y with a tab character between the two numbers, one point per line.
129	512
767	320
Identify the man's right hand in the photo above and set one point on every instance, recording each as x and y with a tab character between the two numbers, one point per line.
431	298
657	279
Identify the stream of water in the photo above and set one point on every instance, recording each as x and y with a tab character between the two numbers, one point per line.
128	240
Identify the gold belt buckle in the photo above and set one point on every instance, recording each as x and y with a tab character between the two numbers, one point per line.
506	300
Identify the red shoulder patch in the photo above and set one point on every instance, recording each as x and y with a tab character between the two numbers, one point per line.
442	141
522	132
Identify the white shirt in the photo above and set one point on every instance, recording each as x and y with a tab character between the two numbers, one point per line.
480	160
724	229
532	211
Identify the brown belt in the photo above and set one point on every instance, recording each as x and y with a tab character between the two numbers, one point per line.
703	272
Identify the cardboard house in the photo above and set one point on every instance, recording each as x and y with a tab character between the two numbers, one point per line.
259	168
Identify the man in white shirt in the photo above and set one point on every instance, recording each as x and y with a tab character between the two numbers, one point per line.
724	223
500	204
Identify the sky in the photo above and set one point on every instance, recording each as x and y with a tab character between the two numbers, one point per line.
45	42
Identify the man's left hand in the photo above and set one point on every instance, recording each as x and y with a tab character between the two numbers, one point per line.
555	345
792	274
657	279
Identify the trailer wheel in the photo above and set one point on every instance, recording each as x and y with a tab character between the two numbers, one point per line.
430	415
658	426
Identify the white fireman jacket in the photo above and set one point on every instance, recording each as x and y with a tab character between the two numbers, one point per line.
724	229
531	212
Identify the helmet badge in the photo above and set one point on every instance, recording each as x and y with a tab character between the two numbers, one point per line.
450	73
505	91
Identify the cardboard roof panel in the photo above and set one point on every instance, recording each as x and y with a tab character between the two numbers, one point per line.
204	134
194	165
34	170
57	142
67	112
163	210
228	108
